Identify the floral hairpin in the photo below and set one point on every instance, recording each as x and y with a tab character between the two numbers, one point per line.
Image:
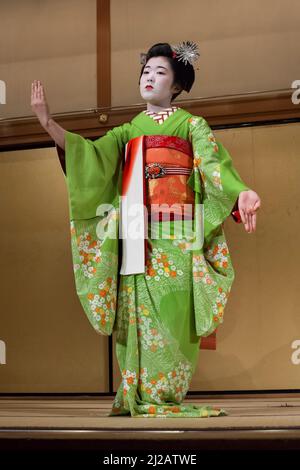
184	51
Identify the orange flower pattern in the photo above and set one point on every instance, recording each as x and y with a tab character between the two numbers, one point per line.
103	303
158	266
161	385
89	252
151	339
201	271
129	378
218	255
218	307
183	244
96	288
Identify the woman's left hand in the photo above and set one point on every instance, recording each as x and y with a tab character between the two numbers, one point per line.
248	204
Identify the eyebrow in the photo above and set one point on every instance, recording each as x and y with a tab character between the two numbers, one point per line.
158	67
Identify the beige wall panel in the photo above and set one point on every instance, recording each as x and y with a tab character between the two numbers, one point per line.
245	46
50	345
52	41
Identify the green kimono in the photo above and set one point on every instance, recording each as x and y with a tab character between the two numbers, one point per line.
159	316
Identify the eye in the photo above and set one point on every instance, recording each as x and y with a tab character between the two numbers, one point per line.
145	72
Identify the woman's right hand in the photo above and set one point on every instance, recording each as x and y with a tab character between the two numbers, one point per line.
39	103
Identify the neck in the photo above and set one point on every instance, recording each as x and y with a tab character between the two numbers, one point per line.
157	108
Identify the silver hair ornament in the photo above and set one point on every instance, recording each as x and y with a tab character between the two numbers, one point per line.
186	51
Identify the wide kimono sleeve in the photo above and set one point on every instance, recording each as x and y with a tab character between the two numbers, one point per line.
217	185
93	175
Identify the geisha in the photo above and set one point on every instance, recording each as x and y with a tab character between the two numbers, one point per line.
161	295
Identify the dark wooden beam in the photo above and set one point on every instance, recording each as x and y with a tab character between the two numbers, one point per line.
224	111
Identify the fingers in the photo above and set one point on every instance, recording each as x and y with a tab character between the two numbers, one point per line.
248	219
242	214
254	222
249	225
248	214
244	218
37	90
34	89
253	215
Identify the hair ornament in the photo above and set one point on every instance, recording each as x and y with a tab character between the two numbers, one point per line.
187	51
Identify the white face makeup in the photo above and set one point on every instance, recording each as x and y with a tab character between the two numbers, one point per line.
158	73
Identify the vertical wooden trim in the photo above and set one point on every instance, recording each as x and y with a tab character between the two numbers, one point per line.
103	100
103	54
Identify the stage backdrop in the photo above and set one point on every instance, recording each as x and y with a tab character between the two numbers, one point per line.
47	343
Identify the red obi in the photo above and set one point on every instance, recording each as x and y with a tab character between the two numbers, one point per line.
168	165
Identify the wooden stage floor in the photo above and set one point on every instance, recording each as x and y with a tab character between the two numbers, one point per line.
257	422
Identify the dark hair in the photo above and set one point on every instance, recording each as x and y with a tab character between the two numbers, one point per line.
184	75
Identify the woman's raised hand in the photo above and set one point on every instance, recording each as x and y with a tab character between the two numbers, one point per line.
39	103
